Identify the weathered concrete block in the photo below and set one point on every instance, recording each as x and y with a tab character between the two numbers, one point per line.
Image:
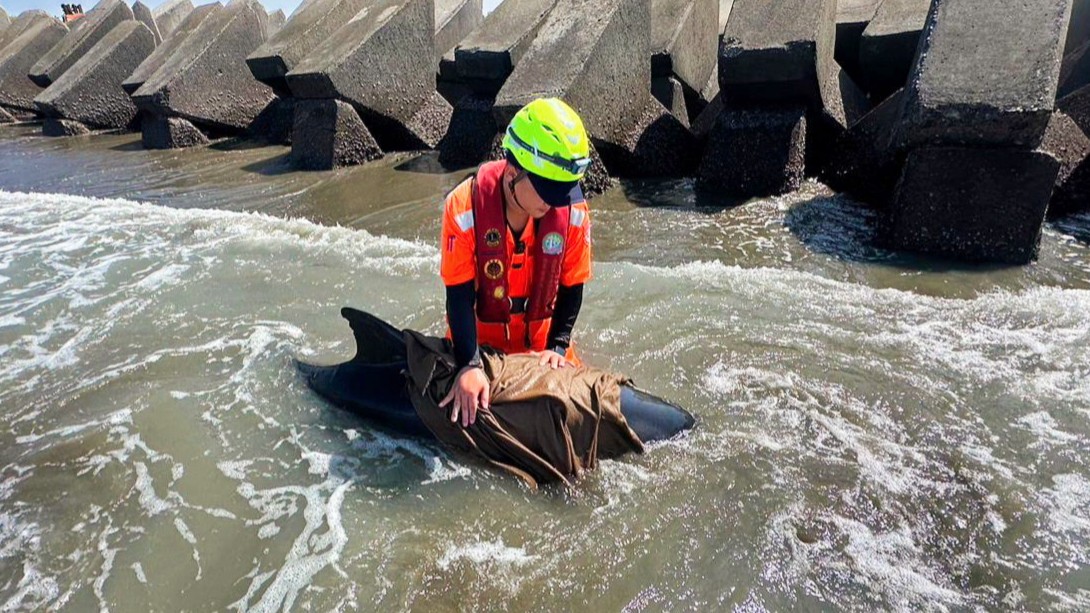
981	205
702	125
206	80
684	40
852	18
313	22
335	136
166	50
84	34
888	46
5	20
158	132
169	15
777	52
842	102
454	20
90	91
725	7
40	33
1068	141
19	25
274	123
754	153
485	58
277	19
382	62
143	14
669	92
659	145
592	54
987	73
427	125
470	133
842	105
862	161
55	126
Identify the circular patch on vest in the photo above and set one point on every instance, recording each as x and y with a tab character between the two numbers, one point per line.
552	244
498	293
493	269
492	238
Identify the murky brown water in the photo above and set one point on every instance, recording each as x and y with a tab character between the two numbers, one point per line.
877	431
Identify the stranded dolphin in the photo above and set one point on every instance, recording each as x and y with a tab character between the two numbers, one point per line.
372	386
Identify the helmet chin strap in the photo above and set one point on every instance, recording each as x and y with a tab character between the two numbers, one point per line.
511	186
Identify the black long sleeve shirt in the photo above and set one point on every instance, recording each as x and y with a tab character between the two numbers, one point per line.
462	318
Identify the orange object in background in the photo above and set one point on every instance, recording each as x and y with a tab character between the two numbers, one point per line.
72	12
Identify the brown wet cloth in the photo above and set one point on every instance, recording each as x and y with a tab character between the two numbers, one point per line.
544	425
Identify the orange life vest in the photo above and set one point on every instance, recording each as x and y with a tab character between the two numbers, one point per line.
494	304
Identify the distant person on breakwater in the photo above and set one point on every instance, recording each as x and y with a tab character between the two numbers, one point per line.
516	250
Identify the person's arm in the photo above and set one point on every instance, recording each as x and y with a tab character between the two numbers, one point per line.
568	302
461	300
471	388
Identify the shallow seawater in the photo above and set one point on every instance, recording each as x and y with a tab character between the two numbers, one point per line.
876	431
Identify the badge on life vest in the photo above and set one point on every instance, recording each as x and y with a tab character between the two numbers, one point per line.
492	238
493	269
552	244
498	293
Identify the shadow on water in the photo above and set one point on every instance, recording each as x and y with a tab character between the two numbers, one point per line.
271	167
237	143
842	228
426	162
136	145
676	194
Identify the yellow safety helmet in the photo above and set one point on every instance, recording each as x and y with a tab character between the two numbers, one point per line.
546	138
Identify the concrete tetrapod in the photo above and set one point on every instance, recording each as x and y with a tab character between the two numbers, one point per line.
777	52
206	81
756	152
336	136
313	22
485	58
277	19
454	20
143	14
41	33
852	18
593	54
888	46
382	62
5	20
170	14
986	75
19	24
164	51
862	161
473	73
978	205
84	34
1068	140
684	41
90	91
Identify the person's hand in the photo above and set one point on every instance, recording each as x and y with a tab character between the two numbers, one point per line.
552	359
470	390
